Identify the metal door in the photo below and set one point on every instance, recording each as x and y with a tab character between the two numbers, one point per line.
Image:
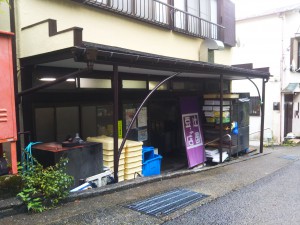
288	117
7	99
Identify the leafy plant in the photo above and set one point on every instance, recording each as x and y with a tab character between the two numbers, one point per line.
45	188
289	142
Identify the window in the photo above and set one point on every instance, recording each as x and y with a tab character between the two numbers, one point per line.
211	56
295	55
187	85
121	5
60	122
152	85
254	106
95	83
205	9
146	9
134	84
214	19
298	65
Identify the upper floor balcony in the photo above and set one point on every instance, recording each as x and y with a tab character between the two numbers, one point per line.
168	16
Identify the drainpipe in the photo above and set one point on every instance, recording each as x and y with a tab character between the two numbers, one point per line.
282	112
14	60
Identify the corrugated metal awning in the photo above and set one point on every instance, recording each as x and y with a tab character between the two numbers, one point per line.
188	68
291	88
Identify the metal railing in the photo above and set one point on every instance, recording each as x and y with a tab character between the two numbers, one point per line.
162	14
196	26
267	136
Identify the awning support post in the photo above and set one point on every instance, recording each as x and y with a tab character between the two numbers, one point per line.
115	119
262	119
221	118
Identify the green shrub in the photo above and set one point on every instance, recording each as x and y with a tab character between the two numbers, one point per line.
44	188
10	185
289	142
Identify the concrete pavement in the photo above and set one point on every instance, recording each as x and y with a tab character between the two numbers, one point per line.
106	205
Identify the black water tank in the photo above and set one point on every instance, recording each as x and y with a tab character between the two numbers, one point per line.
85	160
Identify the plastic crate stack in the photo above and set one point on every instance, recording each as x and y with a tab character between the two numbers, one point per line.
133	159
108	154
151	162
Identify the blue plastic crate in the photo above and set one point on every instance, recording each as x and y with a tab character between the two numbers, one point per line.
152	166
148	153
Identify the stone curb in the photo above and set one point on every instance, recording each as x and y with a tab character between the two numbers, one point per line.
13	206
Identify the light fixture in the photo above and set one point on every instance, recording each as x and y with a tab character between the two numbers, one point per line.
71	80
47	79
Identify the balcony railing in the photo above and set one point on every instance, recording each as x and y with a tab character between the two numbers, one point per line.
162	14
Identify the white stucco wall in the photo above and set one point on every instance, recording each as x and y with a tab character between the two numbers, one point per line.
259	42
265	42
296	119
99	26
291	28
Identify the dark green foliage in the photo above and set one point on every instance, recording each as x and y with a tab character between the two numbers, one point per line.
44	188
10	185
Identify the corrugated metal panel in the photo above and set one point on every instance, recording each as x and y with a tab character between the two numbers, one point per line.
291	88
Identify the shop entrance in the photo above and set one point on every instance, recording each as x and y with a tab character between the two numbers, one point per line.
165	131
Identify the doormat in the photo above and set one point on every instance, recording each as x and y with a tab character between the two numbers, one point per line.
290	157
166	203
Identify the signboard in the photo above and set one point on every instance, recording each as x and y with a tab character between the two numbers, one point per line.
120	129
192	131
142	117
129	113
139	131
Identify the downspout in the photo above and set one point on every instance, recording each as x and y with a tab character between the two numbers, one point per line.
282	112
14	51
134	119
14	60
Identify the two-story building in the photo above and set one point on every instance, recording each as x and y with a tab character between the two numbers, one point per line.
275	42
85	65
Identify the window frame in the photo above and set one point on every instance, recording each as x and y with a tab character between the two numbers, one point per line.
295	54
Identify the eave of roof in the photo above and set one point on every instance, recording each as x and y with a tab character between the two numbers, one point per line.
126	57
270	12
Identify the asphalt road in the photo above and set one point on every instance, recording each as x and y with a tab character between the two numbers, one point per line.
274	199
253	190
